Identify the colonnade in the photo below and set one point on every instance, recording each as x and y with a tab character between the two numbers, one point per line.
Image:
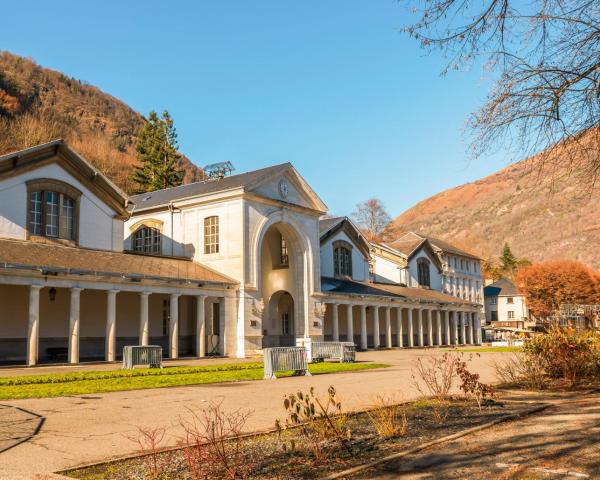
73	340
406	325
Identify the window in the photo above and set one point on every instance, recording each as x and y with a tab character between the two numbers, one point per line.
216	318
462	265
493	301
494	316
423	272
510	300
285	324
52	210
211	235
284	259
342	261
147	240
511	314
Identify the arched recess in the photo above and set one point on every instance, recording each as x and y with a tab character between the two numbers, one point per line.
301	255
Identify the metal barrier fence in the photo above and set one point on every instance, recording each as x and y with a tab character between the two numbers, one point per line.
344	352
282	359
150	355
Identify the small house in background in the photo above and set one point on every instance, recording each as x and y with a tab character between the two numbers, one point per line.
506	312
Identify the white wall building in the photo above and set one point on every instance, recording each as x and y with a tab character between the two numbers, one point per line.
224	266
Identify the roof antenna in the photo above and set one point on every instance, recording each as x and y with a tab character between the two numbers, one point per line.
216	171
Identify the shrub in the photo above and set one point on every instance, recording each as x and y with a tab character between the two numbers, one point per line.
521	369
434	375
213	442
317	421
388	417
471	386
566	352
148	441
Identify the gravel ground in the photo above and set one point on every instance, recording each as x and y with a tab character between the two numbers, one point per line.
561	442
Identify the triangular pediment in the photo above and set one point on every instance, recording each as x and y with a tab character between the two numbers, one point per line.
288	186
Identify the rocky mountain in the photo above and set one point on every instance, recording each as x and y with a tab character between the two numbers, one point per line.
38	104
539	206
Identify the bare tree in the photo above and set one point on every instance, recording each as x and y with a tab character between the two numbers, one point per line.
373	219
545	56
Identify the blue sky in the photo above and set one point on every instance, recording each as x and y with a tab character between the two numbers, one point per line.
332	86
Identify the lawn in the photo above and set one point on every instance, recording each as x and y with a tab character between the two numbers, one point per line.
490	349
83	383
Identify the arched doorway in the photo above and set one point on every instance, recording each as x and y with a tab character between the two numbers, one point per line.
278	325
281	285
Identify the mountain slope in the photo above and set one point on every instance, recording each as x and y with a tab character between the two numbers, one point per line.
38	104
542	214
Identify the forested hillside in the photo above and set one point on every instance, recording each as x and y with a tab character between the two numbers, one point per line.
38	104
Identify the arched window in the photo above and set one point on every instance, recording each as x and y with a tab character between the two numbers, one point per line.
211	235
147	240
423	272
342	259
52	209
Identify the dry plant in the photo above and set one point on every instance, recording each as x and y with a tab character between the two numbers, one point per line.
148	441
519	369
471	386
213	443
388	417
318	421
434	375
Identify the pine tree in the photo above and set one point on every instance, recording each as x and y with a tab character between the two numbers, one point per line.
508	262
157	151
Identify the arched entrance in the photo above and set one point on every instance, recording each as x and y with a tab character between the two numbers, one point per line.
278	324
282	285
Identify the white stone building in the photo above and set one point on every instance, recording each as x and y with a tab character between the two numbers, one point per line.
506	310
225	266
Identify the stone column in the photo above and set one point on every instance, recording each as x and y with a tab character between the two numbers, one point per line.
420	327
376	336
430	327
447	327
400	328
439	328
455	327
200	326
411	329
33	324
74	316
471	328
463	333
350	324
111	325
336	325
144	325
388	328
174	326
363	327
478	328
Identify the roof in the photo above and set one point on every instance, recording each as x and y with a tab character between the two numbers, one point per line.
327	223
353	287
58	151
411	238
246	180
28	255
501	288
408	246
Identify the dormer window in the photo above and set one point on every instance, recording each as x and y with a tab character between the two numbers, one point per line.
342	259
147	240
423	272
53	209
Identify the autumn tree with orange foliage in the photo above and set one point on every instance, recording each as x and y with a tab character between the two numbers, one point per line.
548	284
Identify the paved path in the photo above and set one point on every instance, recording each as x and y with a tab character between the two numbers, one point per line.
89	428
563	442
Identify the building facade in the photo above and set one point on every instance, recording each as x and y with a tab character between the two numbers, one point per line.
225	266
505	310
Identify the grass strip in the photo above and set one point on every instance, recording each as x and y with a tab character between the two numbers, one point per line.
207	375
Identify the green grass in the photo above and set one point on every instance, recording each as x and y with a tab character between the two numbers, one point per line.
85	383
